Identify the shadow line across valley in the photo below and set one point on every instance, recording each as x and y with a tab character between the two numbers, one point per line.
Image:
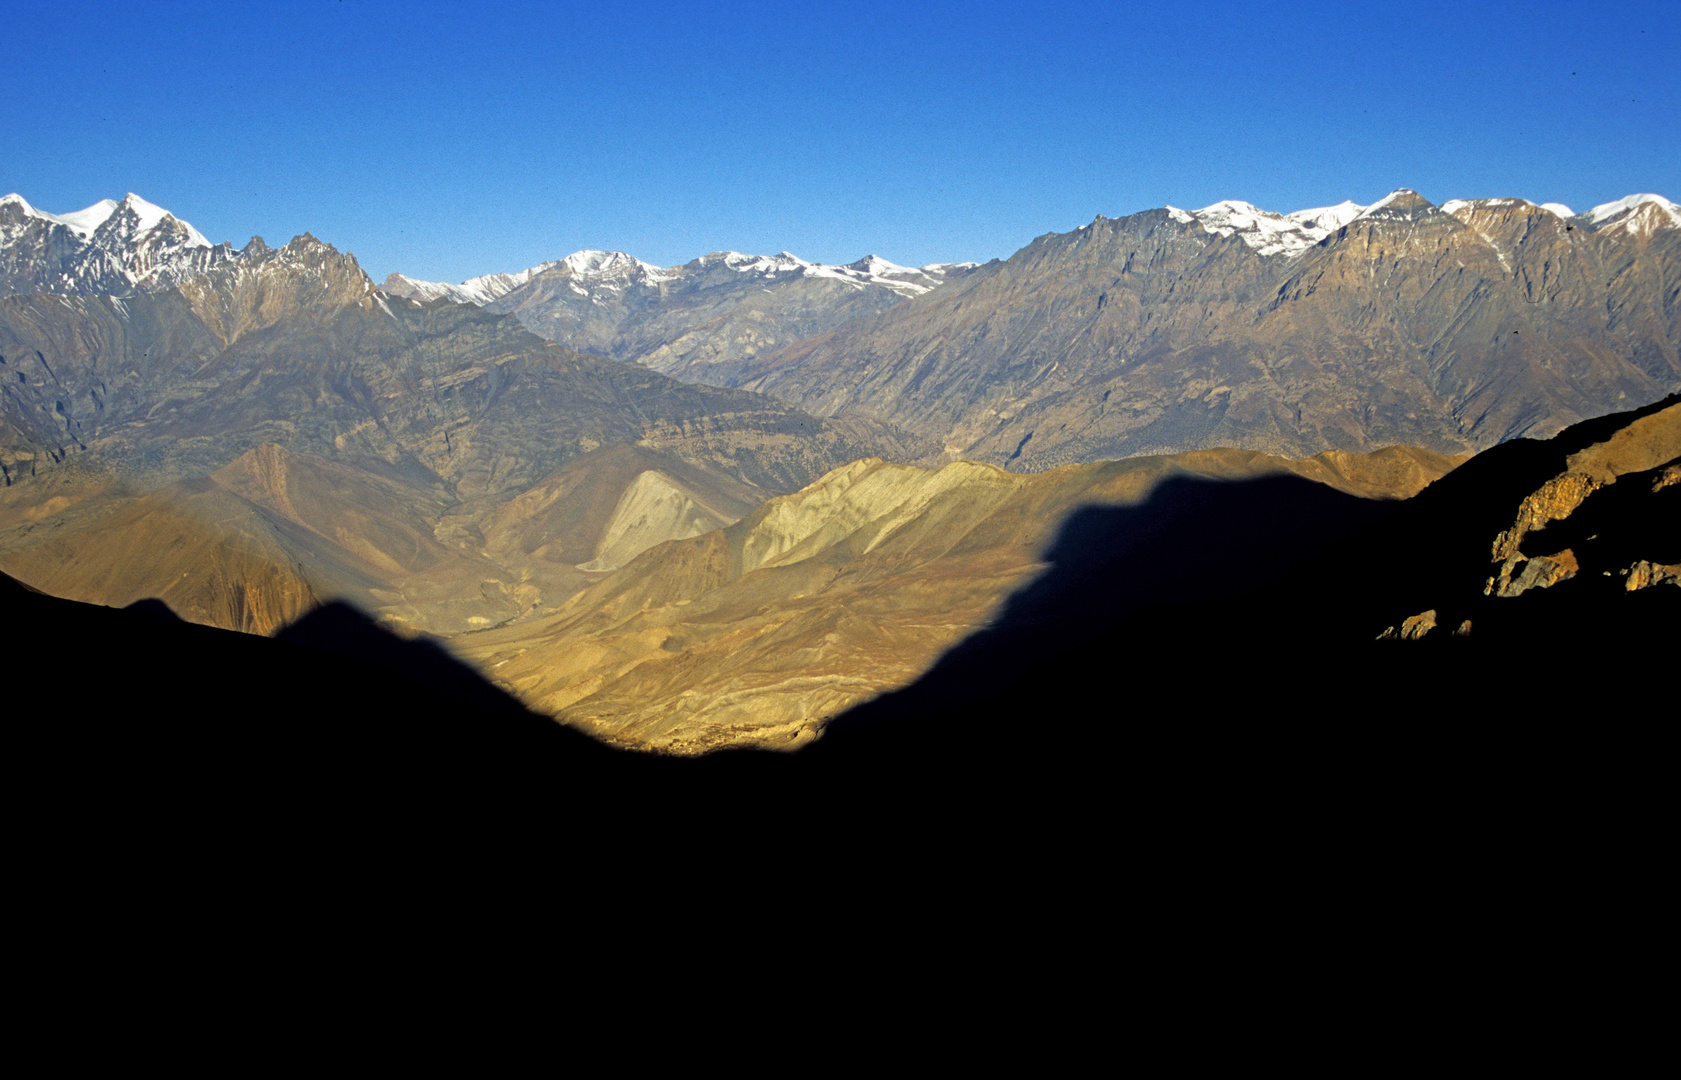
1212	643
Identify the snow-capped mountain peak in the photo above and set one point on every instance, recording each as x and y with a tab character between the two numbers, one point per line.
1329	218
1638	214
88	220
1400	205
604	264
112	247
1268	233
875	264
151	216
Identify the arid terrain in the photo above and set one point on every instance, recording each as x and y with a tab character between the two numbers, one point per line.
1168	413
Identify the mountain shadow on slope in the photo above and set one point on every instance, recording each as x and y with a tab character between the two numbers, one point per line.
1231	632
133	723
1190	547
1218	634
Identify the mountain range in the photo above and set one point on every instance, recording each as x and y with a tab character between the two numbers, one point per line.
856	470
311	436
691	321
1450	327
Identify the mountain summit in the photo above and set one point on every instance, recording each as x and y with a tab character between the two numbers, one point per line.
111	248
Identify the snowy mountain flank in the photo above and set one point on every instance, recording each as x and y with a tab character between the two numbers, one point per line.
117	246
699	321
594	272
109	248
1291	234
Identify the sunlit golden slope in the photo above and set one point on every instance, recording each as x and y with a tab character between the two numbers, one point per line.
757	633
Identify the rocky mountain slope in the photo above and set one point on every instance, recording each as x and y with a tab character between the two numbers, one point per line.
1451	328
388	431
691	321
1173	588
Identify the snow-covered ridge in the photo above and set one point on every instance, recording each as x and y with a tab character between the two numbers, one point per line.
1637	214
868	271
1269	233
480	290
87	221
1607	211
110	248
607	269
609	264
594	273
1329	218
1264	231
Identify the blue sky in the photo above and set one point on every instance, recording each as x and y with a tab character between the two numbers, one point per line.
449	140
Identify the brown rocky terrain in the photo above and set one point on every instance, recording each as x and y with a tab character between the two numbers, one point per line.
757	633
630	553
1309	682
434	462
1451	329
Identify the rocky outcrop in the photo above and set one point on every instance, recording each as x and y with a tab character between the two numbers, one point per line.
1644	574
1649	443
1412	627
1544	527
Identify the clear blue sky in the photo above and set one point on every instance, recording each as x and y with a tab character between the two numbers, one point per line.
449	140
